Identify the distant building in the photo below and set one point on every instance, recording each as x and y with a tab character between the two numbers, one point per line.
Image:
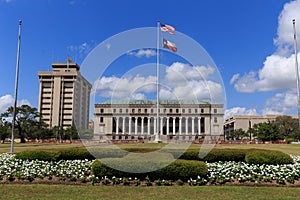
245	122
64	96
137	119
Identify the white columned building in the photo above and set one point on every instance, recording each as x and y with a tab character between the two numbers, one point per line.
136	120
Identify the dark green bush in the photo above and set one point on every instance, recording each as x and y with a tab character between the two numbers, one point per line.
38	155
108	153
215	155
267	157
75	154
179	169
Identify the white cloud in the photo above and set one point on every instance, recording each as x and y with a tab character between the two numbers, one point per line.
278	73
284	39
125	87
281	103
142	52
7	101
278	70
181	81
239	111
179	73
191	82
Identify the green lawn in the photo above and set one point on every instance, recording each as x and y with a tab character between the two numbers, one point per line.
18	147
41	191
293	149
286	148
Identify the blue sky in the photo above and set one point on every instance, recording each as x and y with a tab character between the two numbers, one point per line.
250	41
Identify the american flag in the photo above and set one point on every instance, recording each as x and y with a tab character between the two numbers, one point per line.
167	28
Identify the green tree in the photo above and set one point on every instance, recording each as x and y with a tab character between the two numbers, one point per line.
4	127
267	131
25	121
58	132
288	127
71	133
237	134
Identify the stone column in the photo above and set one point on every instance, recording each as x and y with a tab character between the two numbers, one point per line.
123	124
129	126
193	125
180	125
117	125
199	125
142	127
186	125
161	125
168	126
135	125
174	125
148	131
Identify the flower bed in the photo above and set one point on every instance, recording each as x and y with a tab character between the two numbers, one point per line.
79	171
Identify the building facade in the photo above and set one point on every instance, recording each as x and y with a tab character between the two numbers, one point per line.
246	121
137	119
64	96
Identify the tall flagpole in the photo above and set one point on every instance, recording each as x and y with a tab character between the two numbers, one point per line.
16	90
157	138
297	70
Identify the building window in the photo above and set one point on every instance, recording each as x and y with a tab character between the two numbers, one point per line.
101	110
151	110
101	119
216	120
146	110
120	110
165	110
215	110
171	110
202	110
183	110
139	110
196	110
132	110
177	110
190	111
114	110
126	110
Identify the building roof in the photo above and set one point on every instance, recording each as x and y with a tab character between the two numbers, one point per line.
154	102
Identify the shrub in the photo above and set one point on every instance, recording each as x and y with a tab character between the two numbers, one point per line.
75	154
179	169
267	157
215	155
38	155
108	153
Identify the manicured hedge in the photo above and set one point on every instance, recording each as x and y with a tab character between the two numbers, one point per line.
38	155
75	154
252	156
215	155
268	157
179	169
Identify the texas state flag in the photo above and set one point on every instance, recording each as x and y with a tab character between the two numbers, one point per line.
169	45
